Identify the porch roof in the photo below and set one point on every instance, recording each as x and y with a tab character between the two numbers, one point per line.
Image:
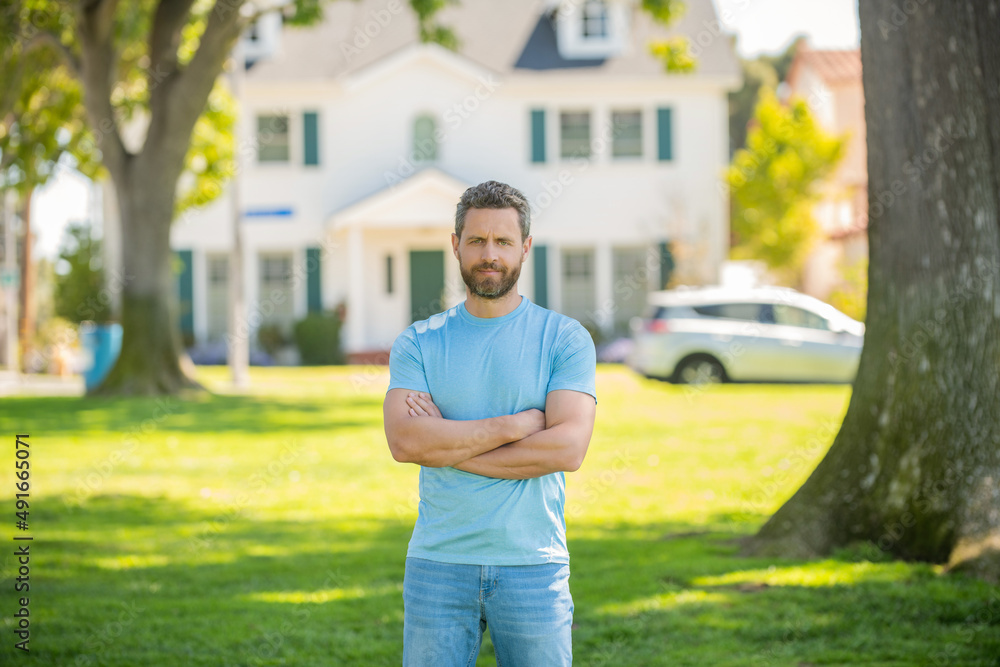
425	199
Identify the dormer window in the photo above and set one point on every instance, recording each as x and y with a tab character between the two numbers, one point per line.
592	29
425	139
262	39
595	20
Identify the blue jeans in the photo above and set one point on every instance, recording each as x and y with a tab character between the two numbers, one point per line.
446	607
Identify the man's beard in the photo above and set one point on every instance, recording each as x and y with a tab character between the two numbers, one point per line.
490	287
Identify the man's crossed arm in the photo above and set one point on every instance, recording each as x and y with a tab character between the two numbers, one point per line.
519	446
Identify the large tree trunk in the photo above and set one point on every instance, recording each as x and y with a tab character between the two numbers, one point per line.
915	468
146	182
151	347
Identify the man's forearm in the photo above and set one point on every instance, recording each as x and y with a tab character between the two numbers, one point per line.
437	443
559	448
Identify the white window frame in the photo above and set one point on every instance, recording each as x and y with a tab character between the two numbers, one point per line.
289	132
643	150
590	132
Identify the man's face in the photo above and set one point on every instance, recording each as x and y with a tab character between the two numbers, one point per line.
490	252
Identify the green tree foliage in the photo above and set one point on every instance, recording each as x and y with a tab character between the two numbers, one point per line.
764	71
774	182
79	290
673	52
42	117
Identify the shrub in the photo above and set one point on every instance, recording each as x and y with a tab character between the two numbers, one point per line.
271	338
318	339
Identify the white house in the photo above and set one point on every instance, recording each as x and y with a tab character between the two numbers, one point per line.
359	141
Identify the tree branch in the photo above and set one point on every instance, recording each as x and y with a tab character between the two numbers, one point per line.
100	17
46	38
164	37
178	101
98	65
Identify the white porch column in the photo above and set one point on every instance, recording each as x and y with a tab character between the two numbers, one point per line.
355	290
604	292
555	276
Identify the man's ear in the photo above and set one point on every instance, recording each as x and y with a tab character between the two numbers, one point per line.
454	244
527	245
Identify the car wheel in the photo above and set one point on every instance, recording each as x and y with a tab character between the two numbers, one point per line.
699	370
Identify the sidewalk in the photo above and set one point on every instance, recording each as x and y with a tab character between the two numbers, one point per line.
36	384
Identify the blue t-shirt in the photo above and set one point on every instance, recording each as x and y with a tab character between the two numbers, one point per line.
477	368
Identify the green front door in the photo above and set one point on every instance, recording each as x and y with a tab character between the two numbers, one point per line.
426	283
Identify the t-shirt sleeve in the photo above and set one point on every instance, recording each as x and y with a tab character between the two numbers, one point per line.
406	367
575	363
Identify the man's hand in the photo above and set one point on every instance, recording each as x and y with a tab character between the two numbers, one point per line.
421	405
529	421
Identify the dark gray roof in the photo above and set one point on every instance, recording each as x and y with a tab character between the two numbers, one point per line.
508	37
541	52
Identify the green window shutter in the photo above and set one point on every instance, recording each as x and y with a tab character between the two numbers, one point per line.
664	134
538	135
314	293
185	291
310	130
666	264
541	275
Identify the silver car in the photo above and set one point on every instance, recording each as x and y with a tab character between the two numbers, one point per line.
763	334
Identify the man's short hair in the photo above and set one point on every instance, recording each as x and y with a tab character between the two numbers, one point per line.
494	194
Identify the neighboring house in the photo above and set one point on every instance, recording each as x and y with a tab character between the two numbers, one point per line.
830	81
359	140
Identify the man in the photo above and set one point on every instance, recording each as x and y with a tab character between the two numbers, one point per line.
494	399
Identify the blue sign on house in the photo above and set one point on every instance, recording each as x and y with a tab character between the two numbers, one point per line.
260	213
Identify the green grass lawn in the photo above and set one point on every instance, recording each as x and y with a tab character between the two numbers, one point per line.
270	528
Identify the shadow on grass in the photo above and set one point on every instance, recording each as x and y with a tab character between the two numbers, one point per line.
57	416
130	580
684	596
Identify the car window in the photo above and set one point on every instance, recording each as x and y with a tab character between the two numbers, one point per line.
797	317
731	311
